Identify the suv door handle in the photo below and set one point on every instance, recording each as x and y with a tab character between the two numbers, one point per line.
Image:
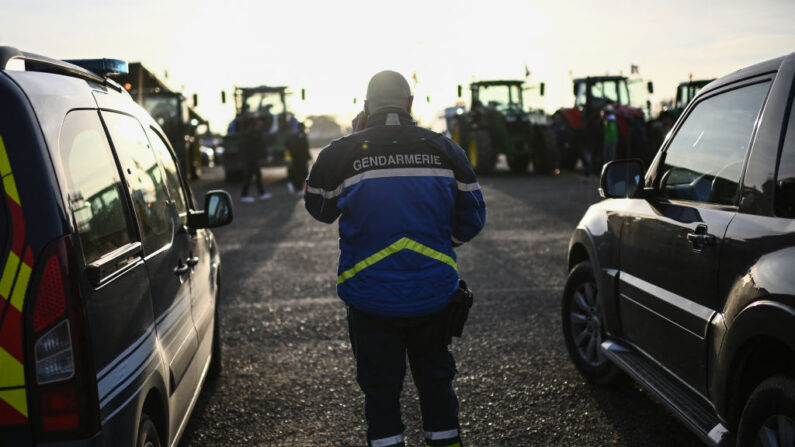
700	238
192	261
181	269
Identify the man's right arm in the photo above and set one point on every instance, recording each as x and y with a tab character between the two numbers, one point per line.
323	188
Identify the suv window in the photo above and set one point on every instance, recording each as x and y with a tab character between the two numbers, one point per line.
94	185
785	177
704	160
172	175
144	179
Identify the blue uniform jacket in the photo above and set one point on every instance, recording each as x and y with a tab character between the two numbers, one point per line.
405	197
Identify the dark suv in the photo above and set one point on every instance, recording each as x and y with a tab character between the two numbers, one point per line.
109	277
685	278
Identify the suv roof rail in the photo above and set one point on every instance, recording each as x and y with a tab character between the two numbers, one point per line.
37	62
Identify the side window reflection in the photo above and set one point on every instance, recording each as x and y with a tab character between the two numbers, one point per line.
95	189
704	160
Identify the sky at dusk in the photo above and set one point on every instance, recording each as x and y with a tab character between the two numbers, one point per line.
331	48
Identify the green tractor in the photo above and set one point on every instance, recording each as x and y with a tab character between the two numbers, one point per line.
497	123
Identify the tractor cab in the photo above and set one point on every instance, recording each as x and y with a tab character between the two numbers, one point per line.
263	108
594	93
688	90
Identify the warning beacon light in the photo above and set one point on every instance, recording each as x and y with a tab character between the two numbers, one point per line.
105	67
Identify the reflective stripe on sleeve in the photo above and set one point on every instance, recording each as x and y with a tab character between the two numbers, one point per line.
467	187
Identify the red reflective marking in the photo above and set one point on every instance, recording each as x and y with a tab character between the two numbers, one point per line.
28	257
18	220
10	416
11	333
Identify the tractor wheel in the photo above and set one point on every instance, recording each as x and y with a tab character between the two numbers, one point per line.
518	163
545	158
481	153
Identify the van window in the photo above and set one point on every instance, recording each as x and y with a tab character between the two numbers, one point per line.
94	185
144	179
172	175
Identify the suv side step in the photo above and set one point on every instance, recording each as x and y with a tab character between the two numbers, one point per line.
686	405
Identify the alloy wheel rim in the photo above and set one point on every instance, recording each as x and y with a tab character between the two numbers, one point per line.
777	431
585	319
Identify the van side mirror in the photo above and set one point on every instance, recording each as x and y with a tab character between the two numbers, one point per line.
303	94
650	87
460	90
195	100
217	211
621	179
541	89
223	97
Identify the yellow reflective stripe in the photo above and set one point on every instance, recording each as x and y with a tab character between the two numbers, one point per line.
11	188
12	373
403	243
10	270
18	297
17	399
5	166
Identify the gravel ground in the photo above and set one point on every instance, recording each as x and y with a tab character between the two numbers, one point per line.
289	376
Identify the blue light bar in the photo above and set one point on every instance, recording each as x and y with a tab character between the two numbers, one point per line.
105	67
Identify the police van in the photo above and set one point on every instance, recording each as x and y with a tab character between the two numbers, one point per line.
109	275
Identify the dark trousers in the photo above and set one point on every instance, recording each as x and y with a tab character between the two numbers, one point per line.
252	170
380	346
296	174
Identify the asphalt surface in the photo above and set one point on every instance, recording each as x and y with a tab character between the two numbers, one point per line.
289	377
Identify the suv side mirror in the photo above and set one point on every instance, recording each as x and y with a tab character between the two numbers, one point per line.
217	211
621	179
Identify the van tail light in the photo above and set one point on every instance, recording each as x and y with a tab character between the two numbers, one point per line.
62	379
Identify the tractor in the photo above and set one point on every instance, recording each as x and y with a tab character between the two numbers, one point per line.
579	130
685	92
498	123
172	111
268	105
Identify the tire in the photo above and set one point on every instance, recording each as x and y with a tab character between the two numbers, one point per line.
582	326
518	163
768	418
545	159
147	433
216	361
481	153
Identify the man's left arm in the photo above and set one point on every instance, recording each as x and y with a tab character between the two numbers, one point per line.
323	189
470	208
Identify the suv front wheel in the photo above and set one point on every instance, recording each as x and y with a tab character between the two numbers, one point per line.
768	418
583	328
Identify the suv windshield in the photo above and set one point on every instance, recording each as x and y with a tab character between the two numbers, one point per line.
500	96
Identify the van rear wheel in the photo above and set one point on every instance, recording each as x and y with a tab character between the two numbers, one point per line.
147	433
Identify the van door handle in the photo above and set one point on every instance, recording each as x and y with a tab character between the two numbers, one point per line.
193	261
181	269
